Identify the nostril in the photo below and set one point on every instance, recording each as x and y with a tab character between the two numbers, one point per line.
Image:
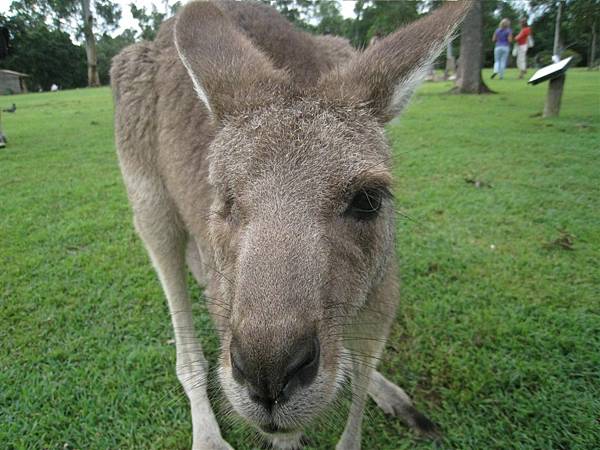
308	366
237	369
258	395
261	395
303	368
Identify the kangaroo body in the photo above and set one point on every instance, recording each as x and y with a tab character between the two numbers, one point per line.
254	155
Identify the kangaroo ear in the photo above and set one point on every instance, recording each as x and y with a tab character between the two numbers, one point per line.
384	77
229	74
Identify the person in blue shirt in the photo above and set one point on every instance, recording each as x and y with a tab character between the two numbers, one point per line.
502	37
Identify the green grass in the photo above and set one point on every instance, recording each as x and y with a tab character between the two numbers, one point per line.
498	333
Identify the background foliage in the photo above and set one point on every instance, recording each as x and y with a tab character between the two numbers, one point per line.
45	35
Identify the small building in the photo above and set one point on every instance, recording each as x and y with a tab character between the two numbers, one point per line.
12	82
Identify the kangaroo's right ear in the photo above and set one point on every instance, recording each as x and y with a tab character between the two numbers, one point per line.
385	75
228	72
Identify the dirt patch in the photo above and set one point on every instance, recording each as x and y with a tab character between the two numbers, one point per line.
565	241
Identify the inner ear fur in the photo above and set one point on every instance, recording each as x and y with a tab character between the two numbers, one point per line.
228	72
384	77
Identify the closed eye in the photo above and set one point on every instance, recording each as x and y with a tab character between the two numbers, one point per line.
366	203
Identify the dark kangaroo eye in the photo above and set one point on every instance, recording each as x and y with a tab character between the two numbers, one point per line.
365	204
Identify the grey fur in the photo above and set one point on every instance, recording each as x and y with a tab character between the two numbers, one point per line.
248	180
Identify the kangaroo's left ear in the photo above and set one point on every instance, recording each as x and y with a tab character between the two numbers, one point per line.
384	77
228	72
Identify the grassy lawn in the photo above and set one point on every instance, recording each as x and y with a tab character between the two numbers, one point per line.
498	333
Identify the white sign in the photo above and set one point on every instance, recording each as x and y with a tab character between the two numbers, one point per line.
550	71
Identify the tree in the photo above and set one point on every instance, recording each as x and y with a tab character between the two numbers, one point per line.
379	18
584	18
84	12
108	47
387	17
29	12
592	58
330	19
90	43
373	18
150	21
556	45
299	12
47	55
577	33
469	79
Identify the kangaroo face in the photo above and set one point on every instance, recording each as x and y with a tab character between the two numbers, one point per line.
302	226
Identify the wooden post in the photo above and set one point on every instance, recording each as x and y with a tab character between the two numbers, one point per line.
555	91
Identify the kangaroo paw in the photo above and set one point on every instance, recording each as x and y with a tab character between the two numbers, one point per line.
395	402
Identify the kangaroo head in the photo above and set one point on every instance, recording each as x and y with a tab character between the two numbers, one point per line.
302	222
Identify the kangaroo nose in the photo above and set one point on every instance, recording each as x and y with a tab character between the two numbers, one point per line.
275	382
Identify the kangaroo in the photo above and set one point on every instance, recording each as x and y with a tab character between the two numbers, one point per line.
254	155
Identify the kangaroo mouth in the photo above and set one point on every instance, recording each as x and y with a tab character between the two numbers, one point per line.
283	438
273	428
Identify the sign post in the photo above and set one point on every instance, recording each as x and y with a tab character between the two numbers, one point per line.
555	73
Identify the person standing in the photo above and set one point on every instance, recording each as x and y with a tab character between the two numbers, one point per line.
502	37
523	40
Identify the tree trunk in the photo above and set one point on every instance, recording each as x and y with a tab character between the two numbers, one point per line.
592	59
469	80
90	43
555	91
450	63
556	49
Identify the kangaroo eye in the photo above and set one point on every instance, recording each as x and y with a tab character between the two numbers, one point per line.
365	204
